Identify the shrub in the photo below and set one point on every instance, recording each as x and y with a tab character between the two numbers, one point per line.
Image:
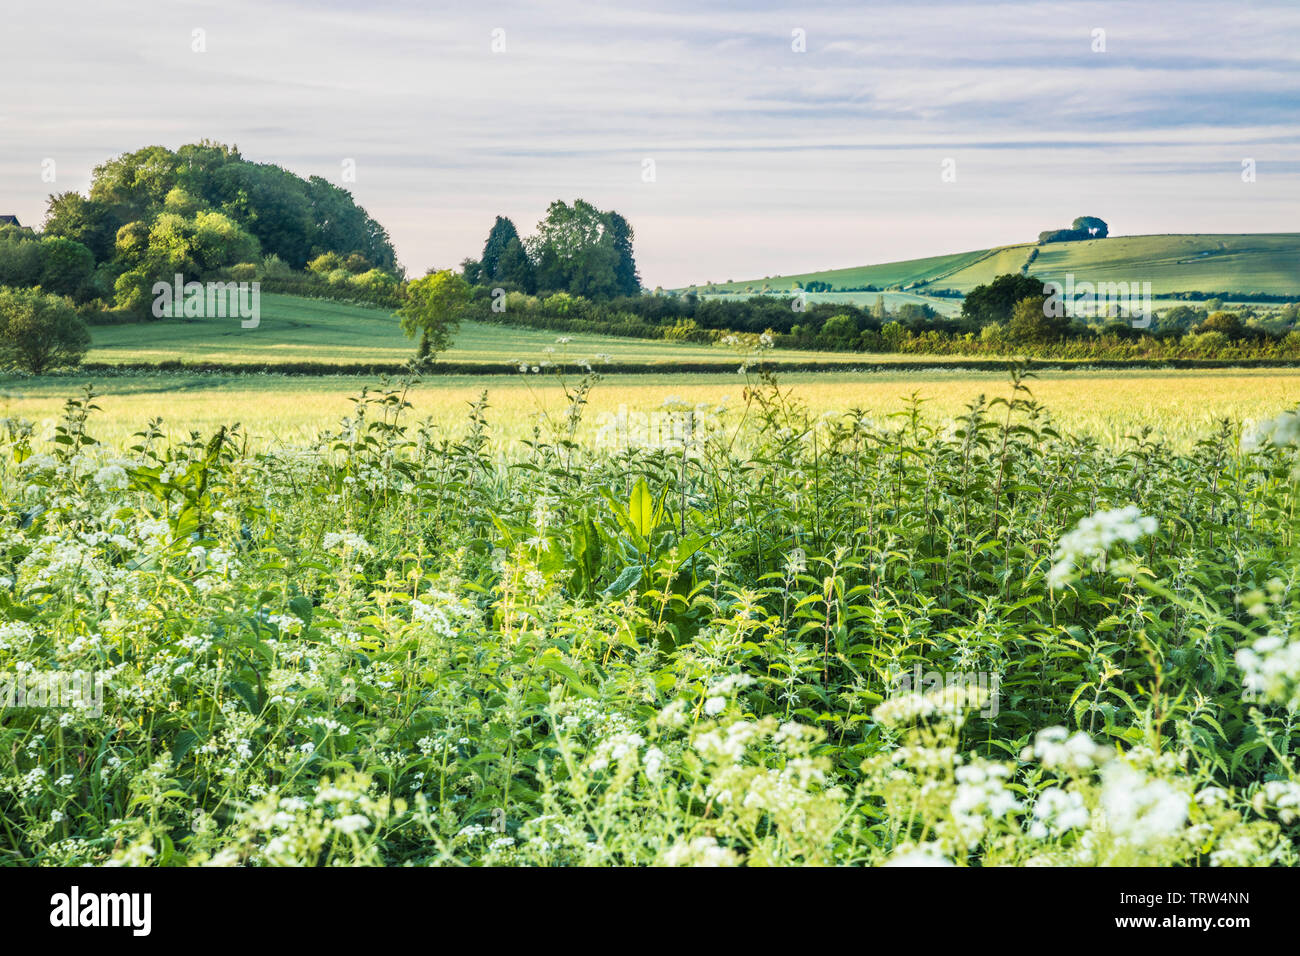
39	332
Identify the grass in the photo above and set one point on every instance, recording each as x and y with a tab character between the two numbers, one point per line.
883	275
294	329
1263	262
1242	263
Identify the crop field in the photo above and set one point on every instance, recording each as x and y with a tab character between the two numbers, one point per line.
1179	406
966	632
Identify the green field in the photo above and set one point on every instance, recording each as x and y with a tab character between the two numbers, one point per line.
1263	262
294	329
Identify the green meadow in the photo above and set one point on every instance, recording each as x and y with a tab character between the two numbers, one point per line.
1255	262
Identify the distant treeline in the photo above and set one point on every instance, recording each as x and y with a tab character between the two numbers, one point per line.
1008	315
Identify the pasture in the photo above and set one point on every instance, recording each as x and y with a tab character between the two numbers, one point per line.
1265	262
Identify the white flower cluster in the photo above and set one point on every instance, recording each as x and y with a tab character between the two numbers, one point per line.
1282	796
1281	430
1271	669
723	688
702	851
918	857
943	703
1056	811
1056	749
111	477
982	795
727	745
618	749
15	635
443	613
347	541
1140	810
1092	539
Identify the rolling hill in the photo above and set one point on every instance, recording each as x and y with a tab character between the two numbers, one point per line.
1267	263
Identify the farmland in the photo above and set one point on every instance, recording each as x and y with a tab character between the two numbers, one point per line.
294	329
913	616
275	409
1268	263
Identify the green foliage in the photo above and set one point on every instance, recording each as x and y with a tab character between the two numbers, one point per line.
996	301
1227	323
1032	324
39	332
204	206
432	308
396	645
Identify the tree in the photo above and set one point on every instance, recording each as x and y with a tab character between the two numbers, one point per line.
503	232
1084	227
472	270
289	217
839	332
67	267
994	302
1180	317
219	241
1031	325
39	332
432	308
584	251
515	268
627	280
20	257
1090	227
1229	323
325	263
893	335
70	215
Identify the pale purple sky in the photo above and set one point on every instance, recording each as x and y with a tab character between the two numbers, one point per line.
766	160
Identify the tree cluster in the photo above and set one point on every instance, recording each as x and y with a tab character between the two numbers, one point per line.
577	249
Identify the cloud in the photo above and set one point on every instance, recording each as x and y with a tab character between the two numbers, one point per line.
767	159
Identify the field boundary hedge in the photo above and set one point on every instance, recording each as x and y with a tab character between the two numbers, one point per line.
649	368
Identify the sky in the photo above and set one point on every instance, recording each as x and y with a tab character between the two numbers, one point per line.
740	141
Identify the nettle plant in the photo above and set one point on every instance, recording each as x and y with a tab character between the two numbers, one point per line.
399	644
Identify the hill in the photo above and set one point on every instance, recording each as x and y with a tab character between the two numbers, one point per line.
1267	263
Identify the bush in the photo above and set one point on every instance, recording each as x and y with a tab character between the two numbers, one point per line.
39	332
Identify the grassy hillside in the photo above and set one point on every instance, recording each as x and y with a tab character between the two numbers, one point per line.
1247	263
882	276
315	330
1265	262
